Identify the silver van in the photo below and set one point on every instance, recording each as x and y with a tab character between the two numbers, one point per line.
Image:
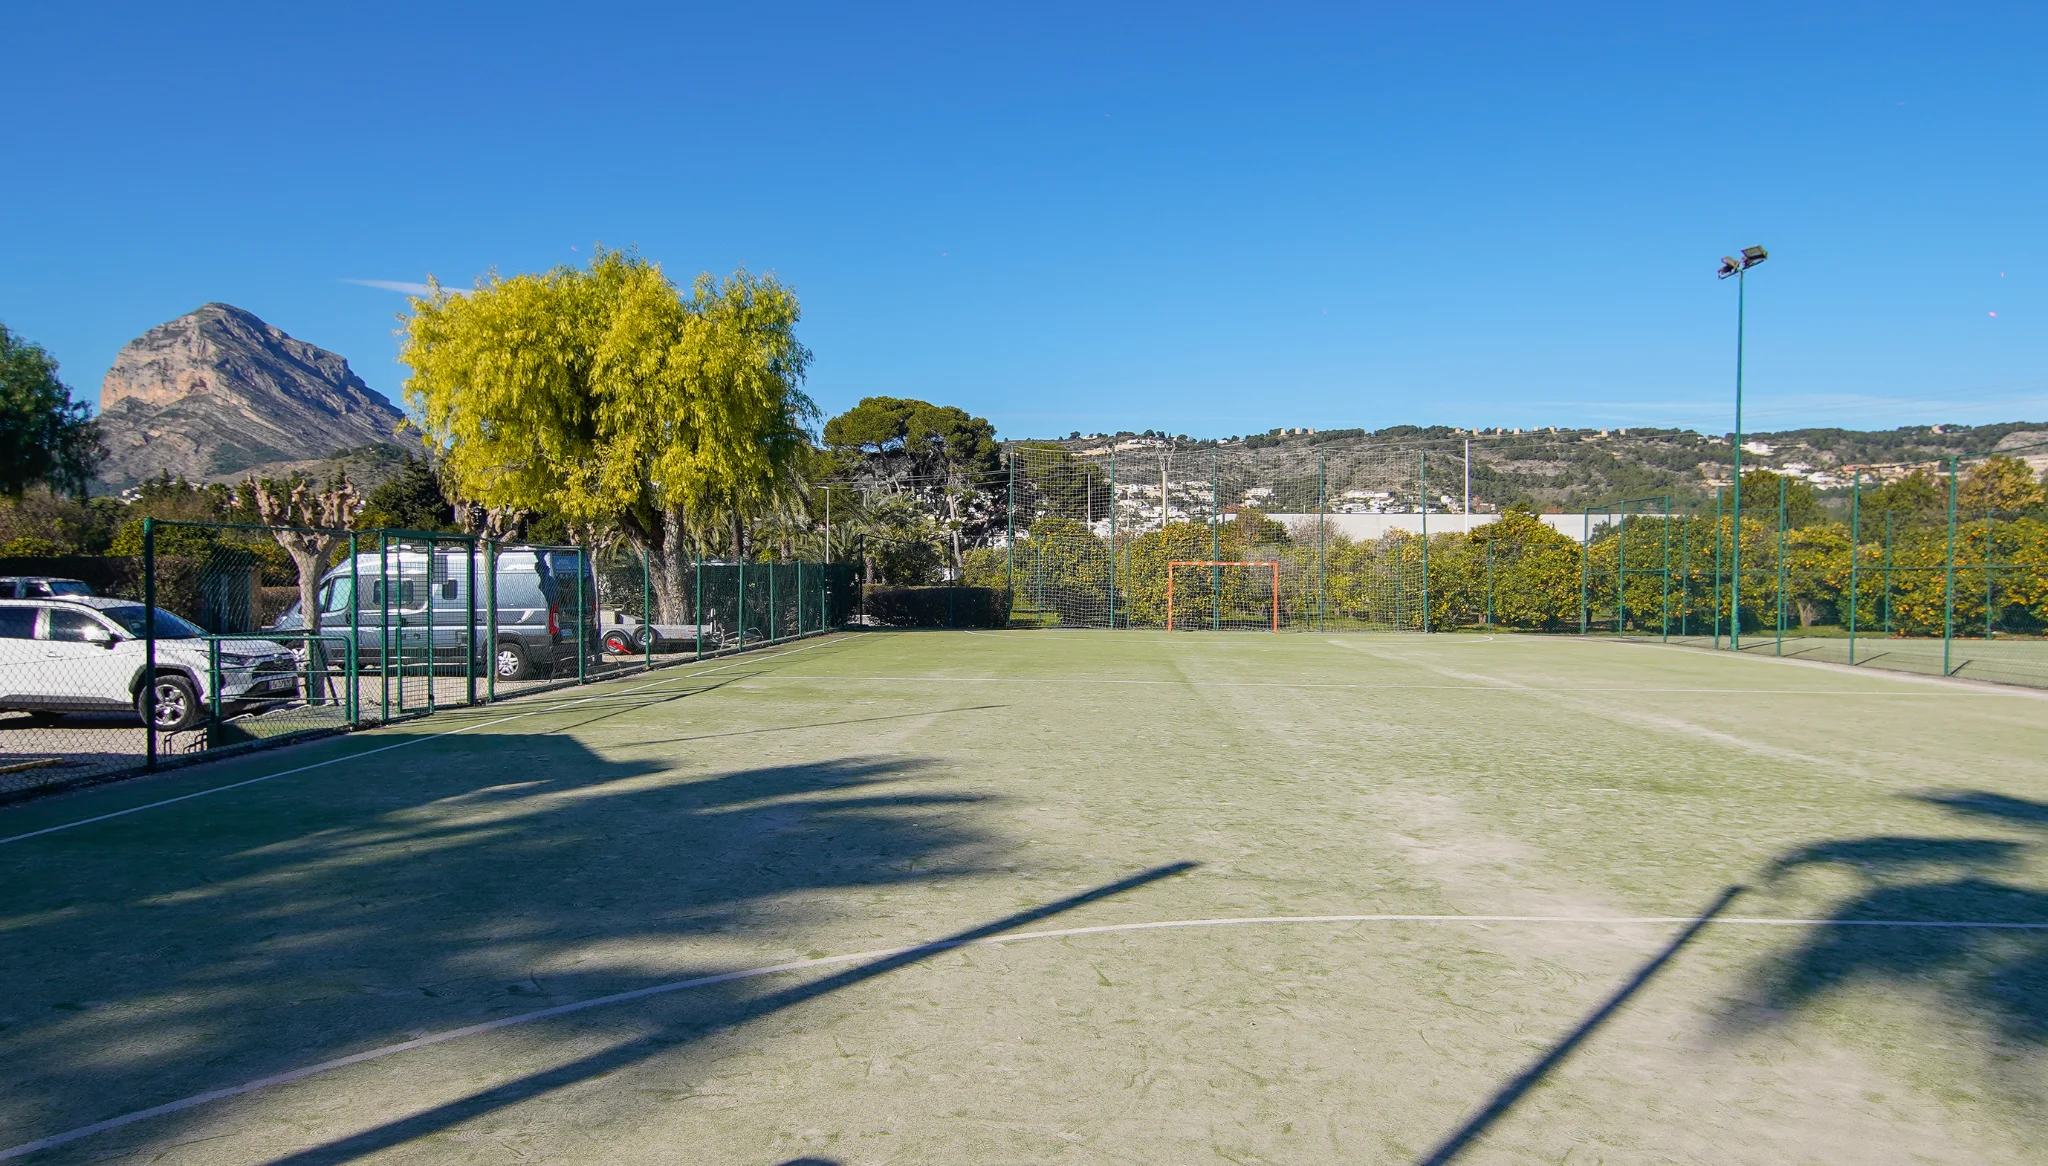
418	602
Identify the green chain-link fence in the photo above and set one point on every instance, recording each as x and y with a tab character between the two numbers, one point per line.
213	640
1955	586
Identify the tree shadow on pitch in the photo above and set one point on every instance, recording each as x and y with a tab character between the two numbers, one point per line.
738	1008
200	945
2000	975
1995	975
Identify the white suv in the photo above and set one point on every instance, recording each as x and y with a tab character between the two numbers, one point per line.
86	654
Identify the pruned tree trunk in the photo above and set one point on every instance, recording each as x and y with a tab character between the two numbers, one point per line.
953	525
309	526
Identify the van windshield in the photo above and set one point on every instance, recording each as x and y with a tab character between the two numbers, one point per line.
336	595
168	626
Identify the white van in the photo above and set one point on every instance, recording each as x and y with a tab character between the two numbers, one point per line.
418	602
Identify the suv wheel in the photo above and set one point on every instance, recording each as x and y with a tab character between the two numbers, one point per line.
169	704
511	661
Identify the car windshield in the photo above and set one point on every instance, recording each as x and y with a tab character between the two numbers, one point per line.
168	626
68	587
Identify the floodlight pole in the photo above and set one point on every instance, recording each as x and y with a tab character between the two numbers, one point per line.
1735	549
1739	268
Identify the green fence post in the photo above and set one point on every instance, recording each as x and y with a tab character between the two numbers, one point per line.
1685	579
148	643
1855	553
1585	566
1422	463
1620	571
1215	542
353	657
743	601
1887	574
1112	542
1489	582
213	676
583	568
699	560
1010	526
384	628
1990	559
1781	565
490	553
432	546
647	606
1400	574
1664	624
1322	569
1948	595
1717	569
469	626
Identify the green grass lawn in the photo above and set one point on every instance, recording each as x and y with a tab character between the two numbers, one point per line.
1556	808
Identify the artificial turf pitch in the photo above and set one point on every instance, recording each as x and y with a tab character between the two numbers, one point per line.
1543	819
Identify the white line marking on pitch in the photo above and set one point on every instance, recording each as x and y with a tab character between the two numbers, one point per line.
1359	687
300	1074
402	744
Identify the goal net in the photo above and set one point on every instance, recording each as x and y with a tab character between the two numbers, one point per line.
1219	595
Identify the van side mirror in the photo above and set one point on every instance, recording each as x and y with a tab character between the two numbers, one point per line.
95	634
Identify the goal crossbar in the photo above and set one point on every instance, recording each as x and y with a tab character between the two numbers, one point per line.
1173	568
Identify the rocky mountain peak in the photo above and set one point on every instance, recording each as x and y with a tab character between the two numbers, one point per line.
218	392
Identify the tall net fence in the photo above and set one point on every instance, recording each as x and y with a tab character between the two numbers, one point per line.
214	639
1939	569
1313	543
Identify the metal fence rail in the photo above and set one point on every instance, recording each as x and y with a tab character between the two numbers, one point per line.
215	640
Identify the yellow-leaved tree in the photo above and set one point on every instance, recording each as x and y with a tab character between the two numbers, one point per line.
613	398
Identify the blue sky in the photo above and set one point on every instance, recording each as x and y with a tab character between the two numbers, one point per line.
1203	219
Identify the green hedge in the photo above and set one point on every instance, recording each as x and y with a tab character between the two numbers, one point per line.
936	607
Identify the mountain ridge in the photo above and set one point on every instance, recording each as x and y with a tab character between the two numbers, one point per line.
1550	468
218	393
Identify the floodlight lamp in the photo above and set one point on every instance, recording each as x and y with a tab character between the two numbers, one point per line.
1751	256
1729	266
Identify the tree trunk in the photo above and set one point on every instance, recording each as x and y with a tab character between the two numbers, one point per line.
309	587
953	523
666	558
310	555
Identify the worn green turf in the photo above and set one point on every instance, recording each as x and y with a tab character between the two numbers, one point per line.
865	793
